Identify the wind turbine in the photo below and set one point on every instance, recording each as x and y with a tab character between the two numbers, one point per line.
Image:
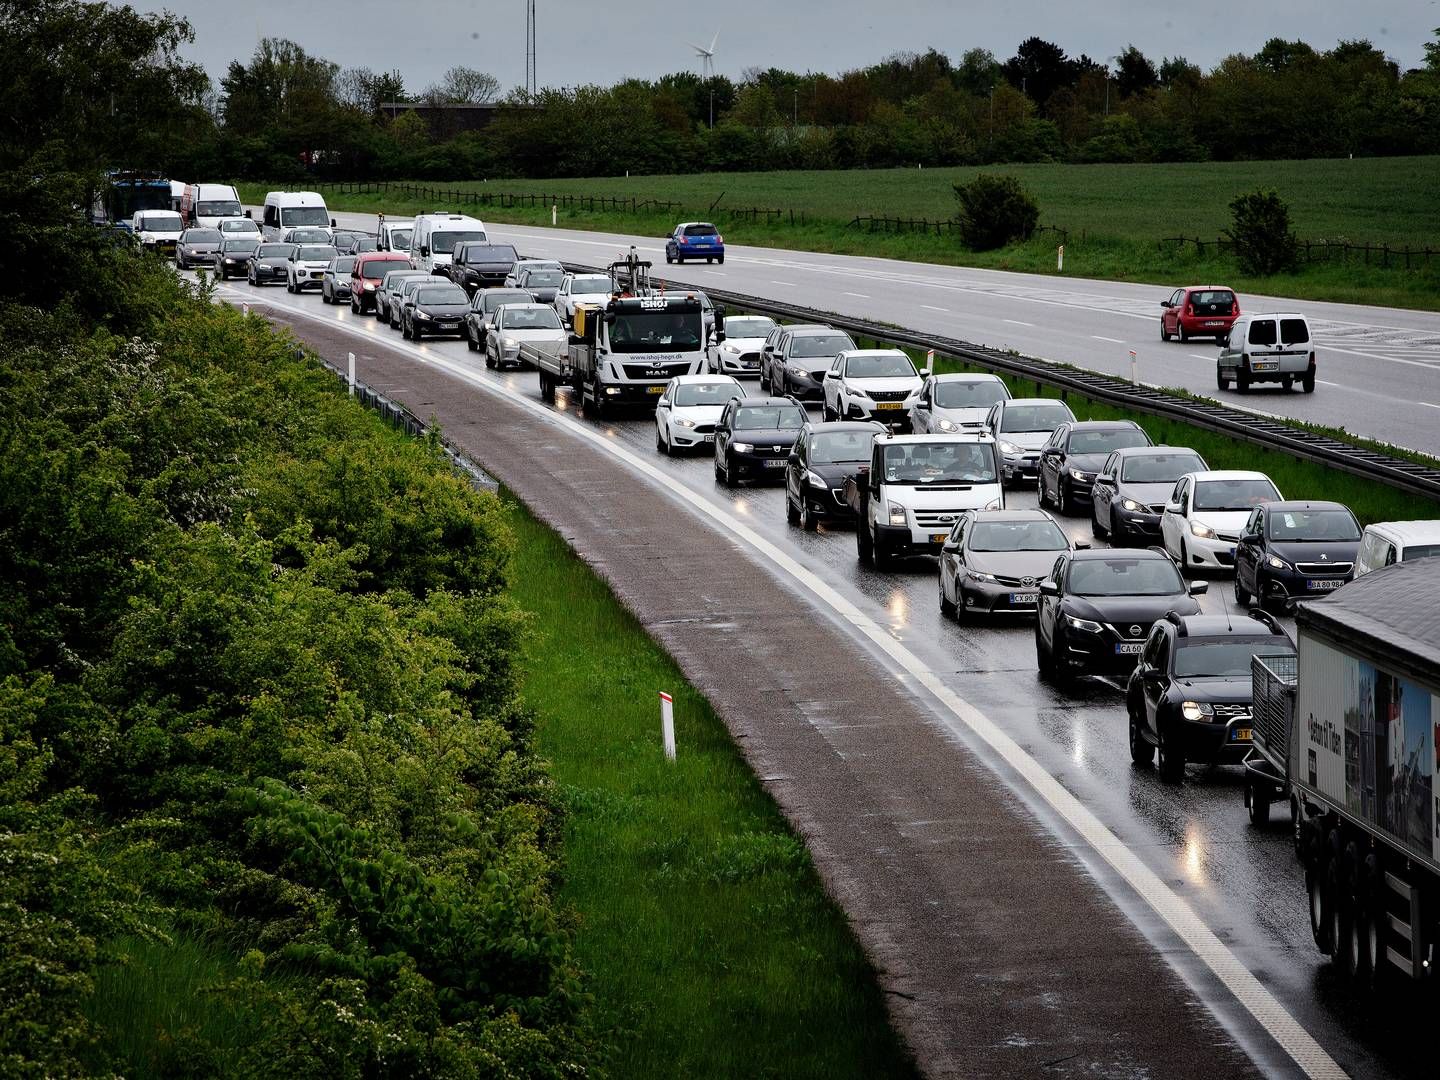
707	56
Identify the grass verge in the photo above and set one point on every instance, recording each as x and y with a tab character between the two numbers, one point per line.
711	945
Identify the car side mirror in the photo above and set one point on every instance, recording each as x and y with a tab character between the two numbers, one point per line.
424	250
247	213
665	401
1049	587
1165	303
1082	545
1199	588
1250	538
1173	508
332	223
951	546
794	458
1104	478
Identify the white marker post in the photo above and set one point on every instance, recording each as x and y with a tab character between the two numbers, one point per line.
352	374
1060	258
1133	380
930	361
245	307
554	210
667	724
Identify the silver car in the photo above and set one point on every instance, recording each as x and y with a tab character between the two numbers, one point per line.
956	401
335	285
197	247
390	288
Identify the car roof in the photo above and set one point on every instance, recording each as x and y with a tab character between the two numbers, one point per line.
1408	531
1229	474
1010	403
1104	425
764	401
1163	450
1202	288
873	352
1012	514
845	425
685	223
693	380
810	328
1119	553
1231	624
1305	504
961	437
966	376
1395	613
1274	315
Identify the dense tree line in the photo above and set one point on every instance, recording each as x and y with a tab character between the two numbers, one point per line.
283	113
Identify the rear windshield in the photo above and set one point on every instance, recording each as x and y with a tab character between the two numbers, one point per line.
1233	494
1222	298
1159	468
1313	525
529	318
700	230
201	236
885	366
1219	658
969	395
1125	577
1420	551
1102	442
815	345
940	463
1262	332
769	418
832	447
705	393
1035	418
1016	536
1294	332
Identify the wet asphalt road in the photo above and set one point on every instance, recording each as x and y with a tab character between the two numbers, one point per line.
1243	882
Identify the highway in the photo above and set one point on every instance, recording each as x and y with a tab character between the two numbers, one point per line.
1379	368
1190	845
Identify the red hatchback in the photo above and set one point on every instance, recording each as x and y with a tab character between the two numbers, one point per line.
365	278
1199	311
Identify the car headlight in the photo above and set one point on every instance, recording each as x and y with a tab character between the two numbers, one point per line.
509	344
814	479
1200	529
727	347
1197	710
799	372
1009	448
369	286
980	575
995	504
897	515
1278	563
421	315
1076	474
1086	625
858	392
742	447
947	425
1133	506
685	422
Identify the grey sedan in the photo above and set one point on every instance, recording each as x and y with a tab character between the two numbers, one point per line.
197	247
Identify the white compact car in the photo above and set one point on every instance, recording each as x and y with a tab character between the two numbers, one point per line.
872	384
306	267
593	289
955	402
532	324
1205	513
739	353
686	414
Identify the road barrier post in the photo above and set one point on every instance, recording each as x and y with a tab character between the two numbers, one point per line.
1132	366
554	209
245	307
929	361
351	374
667	724
1060	258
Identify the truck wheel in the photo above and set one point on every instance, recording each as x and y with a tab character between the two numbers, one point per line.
1307	383
1172	760
863	548
1319	906
1341	914
1142	751
547	388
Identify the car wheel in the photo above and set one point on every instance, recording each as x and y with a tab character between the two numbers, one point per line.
289	286
947	608
1242	380
708	260
1220	380
1100	532
721	260
355	308
1064	500
729	475
1044	657
792	515
864	549
827	412
1242	594
659	442
1180	332
1172	760
489	360
1142	751
1307	383
669	258
470	341
1164	334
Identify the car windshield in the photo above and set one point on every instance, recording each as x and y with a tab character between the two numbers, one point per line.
315	254
1219	658
1313	525
1159	468
590	285
1034	418
769	418
275	251
488	253
1233	494
400	238
303	215
1016	536
646	331
246	246
834	447
239	225
443	243
544	279
1420	551
743	326
959	394
1102	442
443	294
705	393
365	244
940	463
884	366
817	345
309	236
163	221
529	318
700	230
1125	577
201	236
493	300
343	265
218	208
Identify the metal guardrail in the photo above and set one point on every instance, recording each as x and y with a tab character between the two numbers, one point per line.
1397	472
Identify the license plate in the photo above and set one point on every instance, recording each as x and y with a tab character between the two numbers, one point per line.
775	463
1129	648
1024	598
708	439
1324	584
1214	322
887	405
939	538
654	390
449	325
1265	365
1240	734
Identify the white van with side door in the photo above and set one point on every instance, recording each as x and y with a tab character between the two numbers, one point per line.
288	209
208	206
1270	347
1386	543
432	243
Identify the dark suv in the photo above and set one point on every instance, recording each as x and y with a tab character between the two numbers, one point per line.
477	265
1070	461
823	456
1189	695
754	437
1134	484
1289	550
1097	608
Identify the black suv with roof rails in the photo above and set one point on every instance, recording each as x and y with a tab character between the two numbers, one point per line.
754	436
1189	695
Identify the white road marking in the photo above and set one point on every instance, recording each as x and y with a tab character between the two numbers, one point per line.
932	307
1200	356
861	295
1272	1016
1428	404
1113	340
1017	322
787	284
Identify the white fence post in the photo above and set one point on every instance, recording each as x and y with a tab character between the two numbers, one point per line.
1060	258
1132	367
554	210
667	724
352	374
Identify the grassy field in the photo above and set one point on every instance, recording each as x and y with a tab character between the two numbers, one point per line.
711	946
1115	216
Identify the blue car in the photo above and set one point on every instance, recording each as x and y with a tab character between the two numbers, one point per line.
695	240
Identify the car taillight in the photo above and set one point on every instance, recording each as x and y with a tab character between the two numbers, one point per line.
684	240
719	239
1234	309
1312	359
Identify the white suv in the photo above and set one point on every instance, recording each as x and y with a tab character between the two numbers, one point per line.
872	384
307	266
1205	513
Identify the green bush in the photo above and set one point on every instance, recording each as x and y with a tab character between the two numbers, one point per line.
1260	231
995	211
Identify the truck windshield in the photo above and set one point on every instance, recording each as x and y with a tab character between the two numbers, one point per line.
1218	658
400	238
647	331
969	395
218	208
940	463
1125	577
290	216
443	243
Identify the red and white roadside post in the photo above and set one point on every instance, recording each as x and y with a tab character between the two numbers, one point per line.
667	724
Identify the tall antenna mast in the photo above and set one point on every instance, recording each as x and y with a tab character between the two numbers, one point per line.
531	78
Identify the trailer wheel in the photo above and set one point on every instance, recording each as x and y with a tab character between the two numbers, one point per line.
1337	890
1319	907
1257	799
547	388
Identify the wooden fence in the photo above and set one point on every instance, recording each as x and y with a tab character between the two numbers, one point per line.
1382	255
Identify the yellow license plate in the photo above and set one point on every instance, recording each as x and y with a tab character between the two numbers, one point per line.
939	538
654	389
1240	734
888	404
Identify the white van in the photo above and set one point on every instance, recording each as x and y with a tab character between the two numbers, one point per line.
157	229
206	206
287	209
1270	347
432	244
394	235
1388	542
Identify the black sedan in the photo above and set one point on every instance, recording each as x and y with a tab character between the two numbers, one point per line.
1290	550
1189	695
197	247
270	264
823	455
1072	458
1097	608
437	308
1134	484
754	437
542	284
234	256
994	561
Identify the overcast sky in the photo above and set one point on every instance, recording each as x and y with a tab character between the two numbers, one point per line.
595	41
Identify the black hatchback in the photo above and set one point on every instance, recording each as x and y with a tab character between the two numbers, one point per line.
270	262
1290	550
816	468
754	436
435	309
1097	608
